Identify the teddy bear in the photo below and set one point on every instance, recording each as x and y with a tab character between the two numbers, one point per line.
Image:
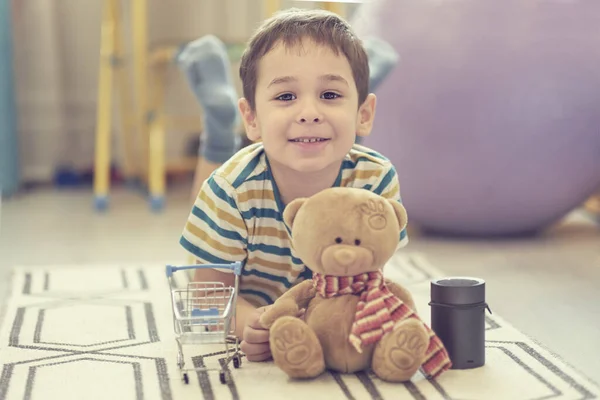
354	319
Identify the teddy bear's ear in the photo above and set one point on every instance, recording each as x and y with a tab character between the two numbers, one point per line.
290	211
400	213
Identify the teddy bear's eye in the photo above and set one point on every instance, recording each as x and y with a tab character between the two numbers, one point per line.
338	240
357	242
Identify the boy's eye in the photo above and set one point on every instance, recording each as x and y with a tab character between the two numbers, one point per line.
286	97
330	95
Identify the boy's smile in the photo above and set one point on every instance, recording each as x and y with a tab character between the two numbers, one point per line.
307	113
307	144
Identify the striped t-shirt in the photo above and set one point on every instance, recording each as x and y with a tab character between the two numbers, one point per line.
237	216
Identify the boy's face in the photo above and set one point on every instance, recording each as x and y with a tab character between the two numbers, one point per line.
307	113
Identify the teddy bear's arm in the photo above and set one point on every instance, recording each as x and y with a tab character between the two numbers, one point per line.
402	293
289	303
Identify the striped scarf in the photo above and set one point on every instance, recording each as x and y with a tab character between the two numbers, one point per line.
377	312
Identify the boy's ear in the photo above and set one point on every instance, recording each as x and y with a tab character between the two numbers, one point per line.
249	117
366	116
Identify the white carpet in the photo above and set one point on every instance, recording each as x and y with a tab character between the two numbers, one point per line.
106	332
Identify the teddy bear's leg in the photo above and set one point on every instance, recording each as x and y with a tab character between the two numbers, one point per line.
295	348
401	352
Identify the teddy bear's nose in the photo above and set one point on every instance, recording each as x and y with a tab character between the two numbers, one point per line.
345	256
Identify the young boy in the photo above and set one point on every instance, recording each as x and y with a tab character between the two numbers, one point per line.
305	98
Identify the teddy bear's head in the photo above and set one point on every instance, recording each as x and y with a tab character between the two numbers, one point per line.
345	231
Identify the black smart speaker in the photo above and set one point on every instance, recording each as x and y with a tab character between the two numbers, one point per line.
458	318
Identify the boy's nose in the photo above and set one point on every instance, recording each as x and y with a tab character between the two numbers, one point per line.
309	113
315	119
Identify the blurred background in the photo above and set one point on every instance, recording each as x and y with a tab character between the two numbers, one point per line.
57	57
489	113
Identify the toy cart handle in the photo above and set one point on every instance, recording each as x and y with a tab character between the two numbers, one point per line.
236	267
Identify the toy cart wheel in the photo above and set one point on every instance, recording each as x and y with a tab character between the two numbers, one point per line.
222	377
237	361
186	378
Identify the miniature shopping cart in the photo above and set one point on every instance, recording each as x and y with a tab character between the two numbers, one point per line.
204	313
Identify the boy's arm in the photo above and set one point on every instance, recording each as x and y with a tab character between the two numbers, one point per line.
215	233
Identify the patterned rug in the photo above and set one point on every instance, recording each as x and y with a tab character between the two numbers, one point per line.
106	332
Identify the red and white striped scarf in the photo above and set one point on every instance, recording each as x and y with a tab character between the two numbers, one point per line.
377	312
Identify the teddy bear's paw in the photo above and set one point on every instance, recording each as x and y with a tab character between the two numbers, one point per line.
400	353
278	310
295	348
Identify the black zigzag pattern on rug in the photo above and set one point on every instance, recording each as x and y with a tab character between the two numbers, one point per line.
520	353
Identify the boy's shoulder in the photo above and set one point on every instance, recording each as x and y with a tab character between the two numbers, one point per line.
362	157
247	163
367	168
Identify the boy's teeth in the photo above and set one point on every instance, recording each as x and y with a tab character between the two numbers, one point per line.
311	140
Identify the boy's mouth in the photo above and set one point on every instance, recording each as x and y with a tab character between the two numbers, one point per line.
308	140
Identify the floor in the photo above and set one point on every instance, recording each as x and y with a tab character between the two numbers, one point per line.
547	287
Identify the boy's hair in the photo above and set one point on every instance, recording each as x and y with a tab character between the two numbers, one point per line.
293	25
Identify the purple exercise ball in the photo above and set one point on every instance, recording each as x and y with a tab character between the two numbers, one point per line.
492	116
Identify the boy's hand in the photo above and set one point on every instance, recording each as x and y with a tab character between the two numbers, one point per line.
255	338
